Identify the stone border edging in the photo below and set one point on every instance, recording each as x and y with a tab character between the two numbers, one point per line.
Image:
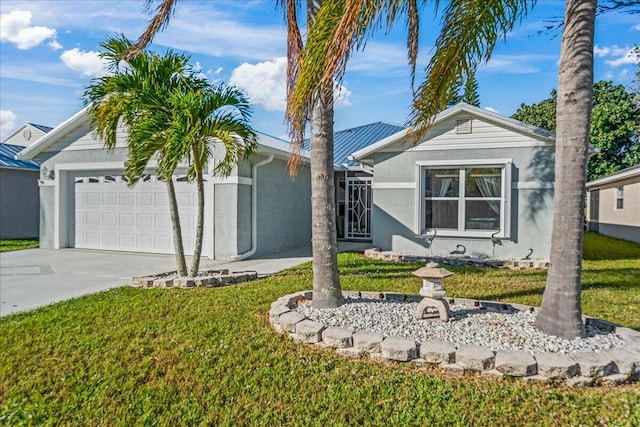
513	264
208	278
611	367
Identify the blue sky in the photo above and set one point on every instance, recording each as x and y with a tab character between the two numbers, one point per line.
48	54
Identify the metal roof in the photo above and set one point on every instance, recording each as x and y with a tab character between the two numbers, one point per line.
348	141
8	161
43	128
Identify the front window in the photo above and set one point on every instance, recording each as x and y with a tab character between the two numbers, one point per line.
464	200
620	197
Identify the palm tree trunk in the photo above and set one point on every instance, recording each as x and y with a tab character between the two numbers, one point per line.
561	313
181	264
197	251
324	240
326	281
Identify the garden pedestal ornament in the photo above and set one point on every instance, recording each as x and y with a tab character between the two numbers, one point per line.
433	292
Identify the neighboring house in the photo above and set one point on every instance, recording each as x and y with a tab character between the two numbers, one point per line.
19	198
26	135
613	205
86	202
474	175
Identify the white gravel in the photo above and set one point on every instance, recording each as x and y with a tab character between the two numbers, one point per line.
497	330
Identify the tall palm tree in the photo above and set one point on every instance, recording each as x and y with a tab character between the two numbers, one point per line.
561	312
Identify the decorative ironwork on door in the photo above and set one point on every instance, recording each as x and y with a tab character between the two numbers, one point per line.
358	203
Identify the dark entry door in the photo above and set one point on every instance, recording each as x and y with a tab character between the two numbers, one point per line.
358	213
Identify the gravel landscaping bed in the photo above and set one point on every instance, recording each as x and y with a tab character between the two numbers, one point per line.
508	329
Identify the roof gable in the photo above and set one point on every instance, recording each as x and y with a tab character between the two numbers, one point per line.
445	120
627	173
81	118
26	134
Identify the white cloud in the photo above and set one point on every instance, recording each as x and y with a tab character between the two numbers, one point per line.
626	56
88	63
7	121
637	27
620	55
53	44
15	27
516	64
197	68
265	83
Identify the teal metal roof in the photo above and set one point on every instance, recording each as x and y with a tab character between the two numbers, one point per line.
348	141
8	161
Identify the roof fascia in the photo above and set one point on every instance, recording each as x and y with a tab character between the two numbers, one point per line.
618	176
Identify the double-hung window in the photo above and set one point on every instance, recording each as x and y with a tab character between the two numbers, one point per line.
465	199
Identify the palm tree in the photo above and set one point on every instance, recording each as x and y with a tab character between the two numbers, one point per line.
170	112
213	114
326	280
561	312
135	95
470	30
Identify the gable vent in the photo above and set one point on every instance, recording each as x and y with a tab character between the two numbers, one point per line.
463	126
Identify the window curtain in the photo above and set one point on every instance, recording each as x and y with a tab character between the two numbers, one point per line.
443	187
489	186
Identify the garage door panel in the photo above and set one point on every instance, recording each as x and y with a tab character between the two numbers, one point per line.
109	215
126	220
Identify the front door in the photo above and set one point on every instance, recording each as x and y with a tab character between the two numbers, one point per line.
358	197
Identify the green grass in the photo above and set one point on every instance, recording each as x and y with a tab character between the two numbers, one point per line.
209	357
18	244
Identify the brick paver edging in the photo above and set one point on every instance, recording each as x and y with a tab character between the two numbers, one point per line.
208	278
611	367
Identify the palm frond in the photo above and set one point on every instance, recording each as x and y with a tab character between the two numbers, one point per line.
157	23
470	31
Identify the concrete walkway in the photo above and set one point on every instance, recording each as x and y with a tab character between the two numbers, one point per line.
37	277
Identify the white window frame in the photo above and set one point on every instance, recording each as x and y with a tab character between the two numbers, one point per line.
619	196
505	213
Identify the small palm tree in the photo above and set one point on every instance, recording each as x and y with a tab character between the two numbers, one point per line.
171	113
134	95
212	115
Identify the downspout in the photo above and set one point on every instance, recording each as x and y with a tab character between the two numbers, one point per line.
254	210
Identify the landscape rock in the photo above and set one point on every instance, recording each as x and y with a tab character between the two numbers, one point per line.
437	351
367	341
338	337
289	320
399	348
309	331
556	365
594	364
516	363
475	357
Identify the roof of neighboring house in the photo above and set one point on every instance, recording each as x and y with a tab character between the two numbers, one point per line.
631	172
348	141
8	161
40	128
43	128
534	131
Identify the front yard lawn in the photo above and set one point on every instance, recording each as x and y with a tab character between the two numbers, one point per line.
209	357
18	244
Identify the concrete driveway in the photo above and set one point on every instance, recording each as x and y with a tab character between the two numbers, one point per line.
37	277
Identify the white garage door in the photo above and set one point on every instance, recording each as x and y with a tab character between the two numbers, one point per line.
111	216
